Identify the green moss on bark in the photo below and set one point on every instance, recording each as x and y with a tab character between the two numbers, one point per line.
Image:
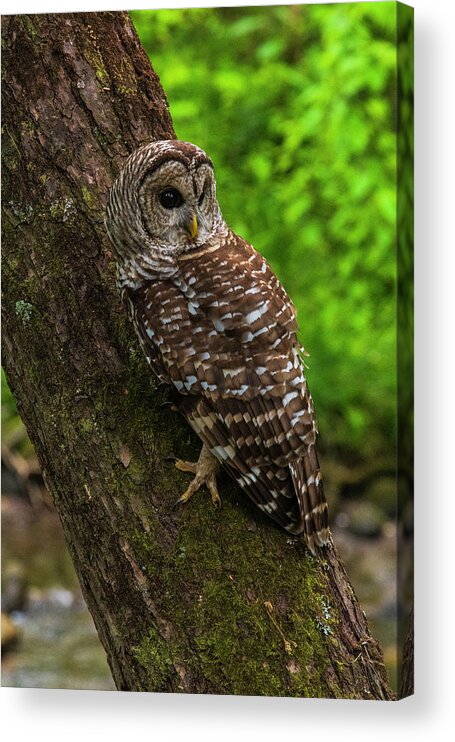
155	655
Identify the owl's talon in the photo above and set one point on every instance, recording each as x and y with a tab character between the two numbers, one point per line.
216	502
183	498
212	488
205	470
190	466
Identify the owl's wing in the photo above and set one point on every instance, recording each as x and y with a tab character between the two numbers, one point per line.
224	326
225	333
240	435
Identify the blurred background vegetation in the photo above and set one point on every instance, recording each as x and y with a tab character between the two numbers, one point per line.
296	106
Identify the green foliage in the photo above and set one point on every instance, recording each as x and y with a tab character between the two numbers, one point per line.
296	105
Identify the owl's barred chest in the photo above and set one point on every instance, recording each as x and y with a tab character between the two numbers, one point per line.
220	325
209	344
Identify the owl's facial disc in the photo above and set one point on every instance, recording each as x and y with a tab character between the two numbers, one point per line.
171	198
178	205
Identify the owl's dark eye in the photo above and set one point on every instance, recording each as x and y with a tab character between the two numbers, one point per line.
171	198
201	197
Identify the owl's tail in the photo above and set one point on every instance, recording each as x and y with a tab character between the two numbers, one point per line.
309	489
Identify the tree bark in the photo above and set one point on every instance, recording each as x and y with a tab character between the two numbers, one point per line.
193	599
407	669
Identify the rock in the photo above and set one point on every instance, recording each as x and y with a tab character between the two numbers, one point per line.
10	633
14	588
382	492
365	519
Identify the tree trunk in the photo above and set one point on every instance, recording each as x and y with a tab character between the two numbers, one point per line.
191	599
407	669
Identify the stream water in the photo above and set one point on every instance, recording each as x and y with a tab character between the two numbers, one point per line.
58	645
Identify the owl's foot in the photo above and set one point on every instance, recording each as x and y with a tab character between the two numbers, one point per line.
205	470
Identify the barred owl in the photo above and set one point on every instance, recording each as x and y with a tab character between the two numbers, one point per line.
216	324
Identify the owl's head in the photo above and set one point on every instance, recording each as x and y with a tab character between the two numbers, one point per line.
163	203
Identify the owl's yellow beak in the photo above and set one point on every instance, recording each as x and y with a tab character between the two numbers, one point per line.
192	226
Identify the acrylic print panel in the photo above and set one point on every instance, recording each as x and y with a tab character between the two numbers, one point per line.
306	114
